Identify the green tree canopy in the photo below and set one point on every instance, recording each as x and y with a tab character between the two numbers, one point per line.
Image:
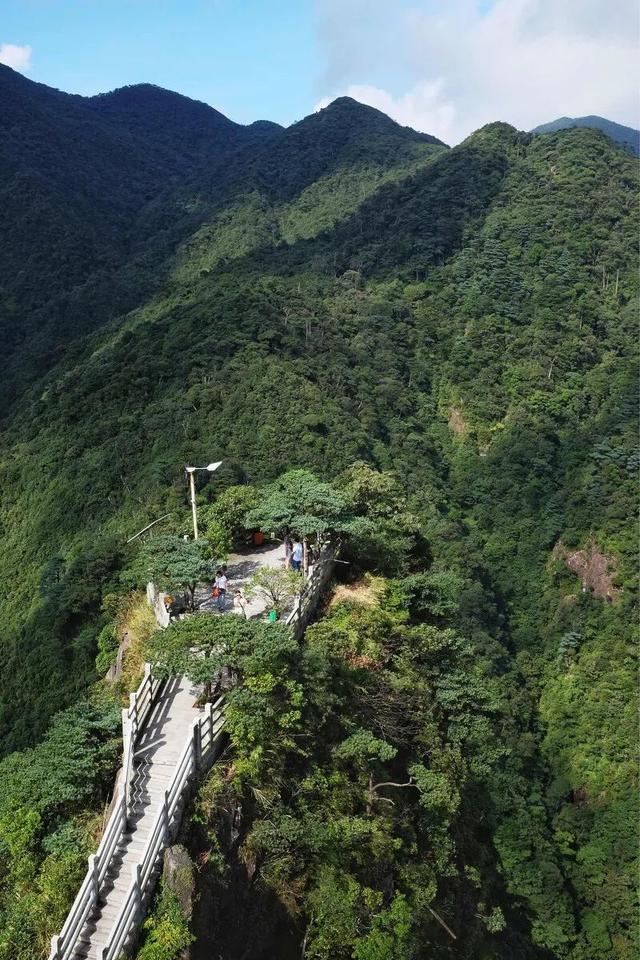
382	532
226	516
259	662
173	564
299	503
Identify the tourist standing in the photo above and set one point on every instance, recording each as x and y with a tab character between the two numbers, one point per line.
296	556
239	602
220	589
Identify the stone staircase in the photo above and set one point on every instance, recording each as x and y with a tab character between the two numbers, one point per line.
155	759
167	743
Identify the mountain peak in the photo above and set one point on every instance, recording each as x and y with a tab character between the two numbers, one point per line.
626	137
147	101
496	132
355	113
264	129
349	103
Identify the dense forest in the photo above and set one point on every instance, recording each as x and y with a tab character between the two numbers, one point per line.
627	137
447	338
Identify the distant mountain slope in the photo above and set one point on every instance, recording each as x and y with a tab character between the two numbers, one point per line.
345	133
625	136
85	183
97	193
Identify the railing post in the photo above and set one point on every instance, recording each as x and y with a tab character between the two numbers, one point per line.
93	869
197	744
127	749
125	723
135	876
133	714
149	680
165	815
207	718
56	953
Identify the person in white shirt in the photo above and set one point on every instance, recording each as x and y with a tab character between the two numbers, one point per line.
296	556
220	584
239	602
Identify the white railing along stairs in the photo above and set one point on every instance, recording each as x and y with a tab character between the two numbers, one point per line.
147	805
109	903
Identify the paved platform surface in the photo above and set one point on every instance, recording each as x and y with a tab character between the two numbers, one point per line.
240	567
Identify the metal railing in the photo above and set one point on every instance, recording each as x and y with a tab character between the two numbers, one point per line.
134	717
305	603
199	751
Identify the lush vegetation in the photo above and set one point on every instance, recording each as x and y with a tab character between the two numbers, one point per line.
342	292
354	767
627	137
52	803
166	931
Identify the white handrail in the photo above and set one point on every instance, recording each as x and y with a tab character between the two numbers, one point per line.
133	719
63	945
312	587
198	749
159	836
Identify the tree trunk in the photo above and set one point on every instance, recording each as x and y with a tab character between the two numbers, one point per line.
191	589
369	807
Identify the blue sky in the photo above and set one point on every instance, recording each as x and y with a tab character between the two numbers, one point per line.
444	66
251	59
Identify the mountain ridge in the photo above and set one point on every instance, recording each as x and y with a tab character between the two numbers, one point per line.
627	137
135	171
454	329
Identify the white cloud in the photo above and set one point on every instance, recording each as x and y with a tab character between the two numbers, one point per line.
19	58
453	65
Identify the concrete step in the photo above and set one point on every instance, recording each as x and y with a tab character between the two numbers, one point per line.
154	788
157	773
144	808
127	855
140	821
117	888
90	951
135	836
142	833
157	783
167	753
148	801
136	842
108	915
122	867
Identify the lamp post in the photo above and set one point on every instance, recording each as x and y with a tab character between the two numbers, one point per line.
212	467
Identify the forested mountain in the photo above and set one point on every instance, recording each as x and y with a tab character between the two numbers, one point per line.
177	288
626	136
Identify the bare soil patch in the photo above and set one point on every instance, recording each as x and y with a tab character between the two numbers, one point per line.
365	591
596	570
457	422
